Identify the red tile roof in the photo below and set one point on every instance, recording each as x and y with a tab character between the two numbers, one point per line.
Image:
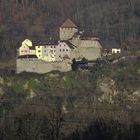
68	24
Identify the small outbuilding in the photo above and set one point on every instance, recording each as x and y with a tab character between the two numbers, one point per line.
110	47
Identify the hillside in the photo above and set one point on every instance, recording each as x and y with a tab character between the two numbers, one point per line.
107	94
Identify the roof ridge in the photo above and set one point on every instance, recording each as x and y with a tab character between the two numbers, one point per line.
68	23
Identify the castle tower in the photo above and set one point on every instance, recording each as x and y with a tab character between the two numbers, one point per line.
67	30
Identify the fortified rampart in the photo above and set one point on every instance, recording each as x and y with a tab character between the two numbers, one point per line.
39	66
58	56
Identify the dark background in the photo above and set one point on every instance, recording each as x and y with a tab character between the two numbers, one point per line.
39	20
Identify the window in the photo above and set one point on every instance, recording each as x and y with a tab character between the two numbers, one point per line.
51	51
67	50
60	50
63	50
39	51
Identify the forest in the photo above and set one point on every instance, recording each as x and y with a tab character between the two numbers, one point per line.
39	20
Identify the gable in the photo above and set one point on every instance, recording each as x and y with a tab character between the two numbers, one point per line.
68	24
27	42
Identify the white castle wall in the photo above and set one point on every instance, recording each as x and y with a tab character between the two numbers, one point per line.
39	66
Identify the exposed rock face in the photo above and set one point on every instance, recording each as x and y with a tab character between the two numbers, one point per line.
32	94
139	71
137	93
135	97
9	83
107	86
25	86
1	92
1	81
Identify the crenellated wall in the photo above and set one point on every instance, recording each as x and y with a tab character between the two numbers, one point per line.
67	33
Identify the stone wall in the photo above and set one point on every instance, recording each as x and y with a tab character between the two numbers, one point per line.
90	53
67	33
90	49
39	66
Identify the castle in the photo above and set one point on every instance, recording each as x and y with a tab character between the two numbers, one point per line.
58	56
